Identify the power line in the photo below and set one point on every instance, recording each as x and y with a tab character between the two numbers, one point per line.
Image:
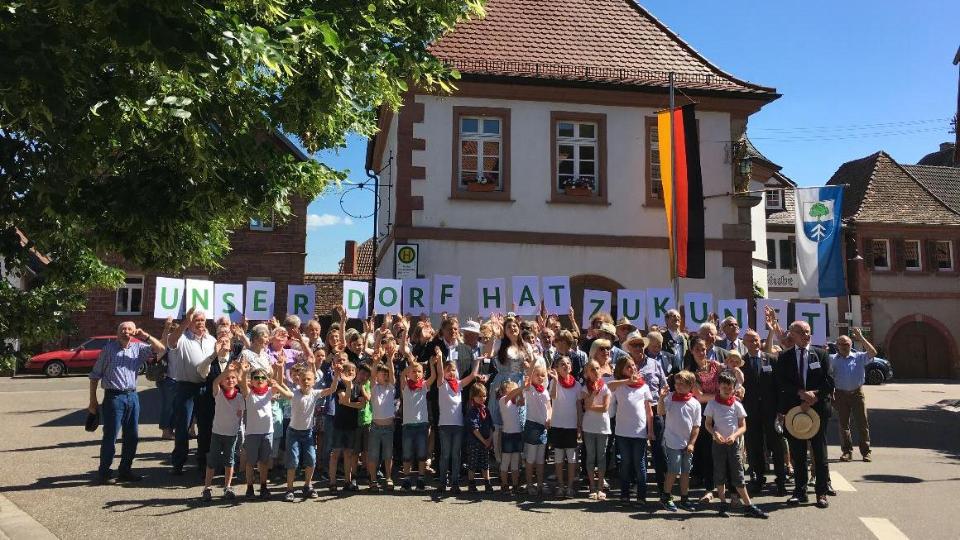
857	127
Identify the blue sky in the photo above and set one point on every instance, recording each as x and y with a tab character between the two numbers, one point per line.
856	77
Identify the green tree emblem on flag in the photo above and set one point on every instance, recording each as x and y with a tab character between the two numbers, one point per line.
818	211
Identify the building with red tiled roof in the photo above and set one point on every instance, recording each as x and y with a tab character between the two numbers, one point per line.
356	265
904	221
544	160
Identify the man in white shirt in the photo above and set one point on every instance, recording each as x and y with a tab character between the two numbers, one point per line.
188	348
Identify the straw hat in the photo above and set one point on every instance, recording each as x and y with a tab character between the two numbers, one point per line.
625	322
635	336
608	328
802	424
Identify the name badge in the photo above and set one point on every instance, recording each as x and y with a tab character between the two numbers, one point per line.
814	365
767	369
486	360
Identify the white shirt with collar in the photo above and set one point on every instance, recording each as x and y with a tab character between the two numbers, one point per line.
803	368
190	351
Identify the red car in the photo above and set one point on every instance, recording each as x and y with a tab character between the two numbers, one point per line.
83	356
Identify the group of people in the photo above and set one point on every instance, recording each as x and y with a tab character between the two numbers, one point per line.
508	391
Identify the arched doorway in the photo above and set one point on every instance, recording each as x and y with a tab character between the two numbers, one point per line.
589	281
918	349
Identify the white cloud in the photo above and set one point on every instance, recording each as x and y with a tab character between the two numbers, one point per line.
326	220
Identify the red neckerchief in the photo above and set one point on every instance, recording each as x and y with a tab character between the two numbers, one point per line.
681	397
596	386
538	387
414	385
567	382
259	391
640	382
229	394
453	382
728	402
481	410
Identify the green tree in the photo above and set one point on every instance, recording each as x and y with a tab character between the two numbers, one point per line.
143	128
819	210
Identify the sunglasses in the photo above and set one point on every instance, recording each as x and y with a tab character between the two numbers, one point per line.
259	378
605	349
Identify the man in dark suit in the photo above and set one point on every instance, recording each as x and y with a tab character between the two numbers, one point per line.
803	378
760	402
674	341
668	361
731	340
708	333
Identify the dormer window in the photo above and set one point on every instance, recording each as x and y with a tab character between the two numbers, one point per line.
774	199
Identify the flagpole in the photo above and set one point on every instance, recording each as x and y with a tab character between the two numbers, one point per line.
673	206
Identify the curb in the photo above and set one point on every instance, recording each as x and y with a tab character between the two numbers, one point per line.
16	524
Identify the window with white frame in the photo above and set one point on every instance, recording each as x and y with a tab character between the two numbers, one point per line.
130	296
881	254
911	255
261	224
481	152
655	182
944	250
577	156
774	199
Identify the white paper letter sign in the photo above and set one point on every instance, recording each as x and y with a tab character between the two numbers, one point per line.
228	300
779	305
736	309
169	299
491	294
200	296
526	294
389	294
816	316
260	300
556	294
632	304
659	301
416	297
595	302
355	299
446	294
698	307
301	301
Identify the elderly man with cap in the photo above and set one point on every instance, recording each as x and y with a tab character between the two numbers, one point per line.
669	362
652	372
116	370
470	331
731	336
624	328
805	384
849	373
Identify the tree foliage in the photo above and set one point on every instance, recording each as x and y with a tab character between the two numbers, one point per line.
819	210
144	128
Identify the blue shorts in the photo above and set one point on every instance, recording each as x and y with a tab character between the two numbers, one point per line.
258	446
415	442
534	433
222	451
380	446
678	461
300	449
511	443
346	439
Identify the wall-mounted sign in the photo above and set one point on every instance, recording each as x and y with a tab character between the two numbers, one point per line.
407	261
782	278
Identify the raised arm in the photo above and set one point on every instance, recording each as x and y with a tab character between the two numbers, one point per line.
473	374
574	325
868	348
176	330
437	357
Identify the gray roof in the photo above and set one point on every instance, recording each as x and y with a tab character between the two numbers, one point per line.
942	182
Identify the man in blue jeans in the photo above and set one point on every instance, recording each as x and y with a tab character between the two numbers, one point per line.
116	370
188	348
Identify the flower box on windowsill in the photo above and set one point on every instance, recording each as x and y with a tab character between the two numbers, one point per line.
478	187
578	191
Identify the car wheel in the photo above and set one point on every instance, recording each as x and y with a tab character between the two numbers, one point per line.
54	369
875	376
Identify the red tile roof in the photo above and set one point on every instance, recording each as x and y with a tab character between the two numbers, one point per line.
364	258
879	190
330	286
594	40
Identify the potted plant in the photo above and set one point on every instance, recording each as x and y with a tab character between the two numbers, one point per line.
481	184
579	187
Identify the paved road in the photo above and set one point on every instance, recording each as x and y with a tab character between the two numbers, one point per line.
46	460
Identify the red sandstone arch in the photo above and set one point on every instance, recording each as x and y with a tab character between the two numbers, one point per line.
920	346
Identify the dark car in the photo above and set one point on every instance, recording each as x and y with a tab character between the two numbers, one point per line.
879	370
82	357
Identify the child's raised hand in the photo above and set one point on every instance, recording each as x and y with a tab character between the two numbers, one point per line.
552	374
437	353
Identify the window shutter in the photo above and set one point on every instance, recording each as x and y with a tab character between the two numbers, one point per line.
930	260
866	251
899	261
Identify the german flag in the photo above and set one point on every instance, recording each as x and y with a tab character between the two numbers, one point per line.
687	258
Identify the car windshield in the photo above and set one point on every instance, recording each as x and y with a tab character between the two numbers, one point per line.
96	343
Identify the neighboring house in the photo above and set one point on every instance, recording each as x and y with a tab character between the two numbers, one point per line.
782	280
22	280
904	220
544	161
262	251
356	265
945	157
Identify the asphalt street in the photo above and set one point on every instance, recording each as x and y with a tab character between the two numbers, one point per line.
47	462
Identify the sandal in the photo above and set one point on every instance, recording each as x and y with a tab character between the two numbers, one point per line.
601	496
